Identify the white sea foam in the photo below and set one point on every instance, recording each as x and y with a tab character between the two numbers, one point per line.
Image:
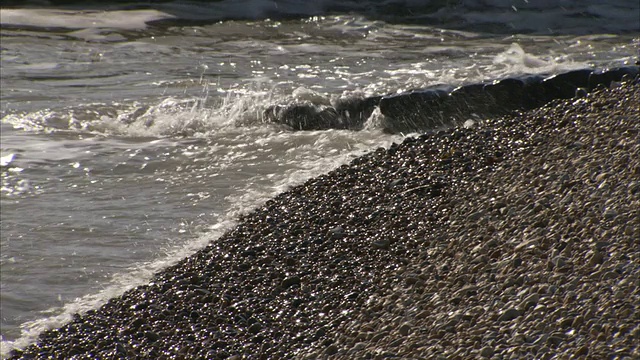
169	117
5	160
81	19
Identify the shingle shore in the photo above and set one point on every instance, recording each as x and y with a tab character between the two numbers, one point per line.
517	238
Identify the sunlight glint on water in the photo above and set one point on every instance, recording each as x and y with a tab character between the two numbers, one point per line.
123	151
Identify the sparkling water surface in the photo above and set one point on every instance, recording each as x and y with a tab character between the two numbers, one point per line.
127	147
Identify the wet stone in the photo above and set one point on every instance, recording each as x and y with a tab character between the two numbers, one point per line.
382	244
337	232
404	329
331	350
290	281
487	352
255	328
509	314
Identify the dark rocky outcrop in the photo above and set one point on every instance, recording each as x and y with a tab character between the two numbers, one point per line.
305	117
347	113
442	105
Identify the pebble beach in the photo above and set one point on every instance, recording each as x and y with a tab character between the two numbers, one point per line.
510	238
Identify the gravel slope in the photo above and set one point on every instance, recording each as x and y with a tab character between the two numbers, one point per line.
517	238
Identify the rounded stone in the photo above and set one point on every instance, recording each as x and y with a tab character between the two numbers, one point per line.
381	244
290	281
487	352
331	350
405	329
255	328
509	314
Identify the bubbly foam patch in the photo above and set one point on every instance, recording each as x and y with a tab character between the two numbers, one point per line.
167	118
514	60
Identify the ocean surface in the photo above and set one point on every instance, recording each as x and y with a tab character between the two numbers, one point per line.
133	134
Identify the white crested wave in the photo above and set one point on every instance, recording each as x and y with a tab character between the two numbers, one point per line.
200	116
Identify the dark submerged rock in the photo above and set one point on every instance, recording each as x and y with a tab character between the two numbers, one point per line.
423	110
356	111
564	86
603	78
305	117
348	113
417	109
442	105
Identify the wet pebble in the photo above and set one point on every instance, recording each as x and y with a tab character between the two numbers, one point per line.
404	329
509	314
487	352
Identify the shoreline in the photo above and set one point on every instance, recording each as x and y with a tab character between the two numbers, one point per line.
516	238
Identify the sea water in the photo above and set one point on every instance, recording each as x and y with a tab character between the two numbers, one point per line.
134	135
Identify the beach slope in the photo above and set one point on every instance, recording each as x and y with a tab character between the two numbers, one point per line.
516	237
